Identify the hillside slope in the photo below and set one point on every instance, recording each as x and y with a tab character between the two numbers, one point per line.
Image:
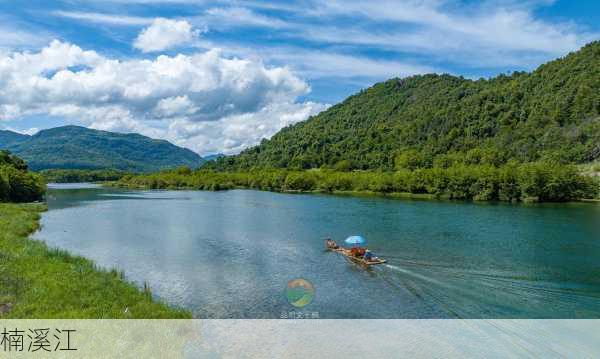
74	147
552	113
8	138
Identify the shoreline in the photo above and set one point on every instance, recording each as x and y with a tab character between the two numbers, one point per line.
390	195
590	200
44	282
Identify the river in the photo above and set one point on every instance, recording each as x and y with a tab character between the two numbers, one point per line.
231	254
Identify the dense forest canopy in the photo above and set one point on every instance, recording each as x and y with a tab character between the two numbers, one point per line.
551	114
17	184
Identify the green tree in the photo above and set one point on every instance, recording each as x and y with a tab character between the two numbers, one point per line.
410	159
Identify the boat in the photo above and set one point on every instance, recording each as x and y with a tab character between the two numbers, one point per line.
348	253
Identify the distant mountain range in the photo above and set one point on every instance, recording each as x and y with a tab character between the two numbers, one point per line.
75	147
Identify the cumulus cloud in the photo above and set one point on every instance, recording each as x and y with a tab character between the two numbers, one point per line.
237	132
204	101
175	106
165	34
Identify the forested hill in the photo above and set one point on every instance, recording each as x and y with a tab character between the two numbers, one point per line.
422	121
74	147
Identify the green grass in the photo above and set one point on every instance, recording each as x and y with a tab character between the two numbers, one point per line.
41	282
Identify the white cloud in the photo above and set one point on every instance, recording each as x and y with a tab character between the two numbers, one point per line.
319	64
104	18
315	64
175	106
507	33
482	34
164	34
21	35
239	17
234	133
11	38
488	34
204	101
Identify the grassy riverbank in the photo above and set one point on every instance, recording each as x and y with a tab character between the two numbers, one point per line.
39	282
542	182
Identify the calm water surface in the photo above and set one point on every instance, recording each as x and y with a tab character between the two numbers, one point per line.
230	254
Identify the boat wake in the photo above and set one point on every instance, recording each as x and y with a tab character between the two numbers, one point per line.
467	293
414	274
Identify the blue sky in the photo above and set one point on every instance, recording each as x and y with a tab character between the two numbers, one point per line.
217	76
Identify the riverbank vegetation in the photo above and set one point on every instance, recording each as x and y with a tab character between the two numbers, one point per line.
537	181
17	184
40	282
79	175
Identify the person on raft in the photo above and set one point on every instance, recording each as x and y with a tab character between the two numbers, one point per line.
357	252
363	253
331	244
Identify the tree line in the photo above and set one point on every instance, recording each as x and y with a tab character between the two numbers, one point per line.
537	181
81	175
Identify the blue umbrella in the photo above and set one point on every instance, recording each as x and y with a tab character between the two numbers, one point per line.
355	240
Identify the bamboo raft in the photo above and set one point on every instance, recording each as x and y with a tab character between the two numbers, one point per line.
346	252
